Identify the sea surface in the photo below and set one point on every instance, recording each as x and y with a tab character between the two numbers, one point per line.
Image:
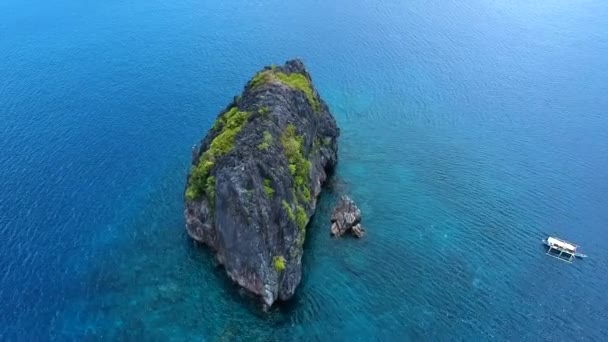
470	131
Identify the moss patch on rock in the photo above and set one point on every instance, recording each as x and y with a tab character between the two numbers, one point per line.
301	217
278	263
261	78
293	80
268	188
266	141
200	181
301	83
299	166
288	210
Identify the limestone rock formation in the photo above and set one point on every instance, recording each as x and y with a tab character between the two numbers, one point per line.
255	181
346	218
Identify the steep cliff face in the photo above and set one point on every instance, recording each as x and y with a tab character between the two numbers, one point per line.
254	184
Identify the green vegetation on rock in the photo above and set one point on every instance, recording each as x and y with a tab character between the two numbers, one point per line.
201	182
264	111
288	210
305	194
294	80
233	122
301	83
268	188
301	217
279	263
260	78
266	141
299	166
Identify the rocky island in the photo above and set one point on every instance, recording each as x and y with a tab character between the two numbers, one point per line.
255	182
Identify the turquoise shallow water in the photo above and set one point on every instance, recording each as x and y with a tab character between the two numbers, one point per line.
469	131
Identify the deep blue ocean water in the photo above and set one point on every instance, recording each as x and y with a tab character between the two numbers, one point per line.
470	130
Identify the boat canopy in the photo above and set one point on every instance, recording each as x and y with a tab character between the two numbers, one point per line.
567	246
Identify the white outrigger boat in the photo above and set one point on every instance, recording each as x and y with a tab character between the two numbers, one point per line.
562	249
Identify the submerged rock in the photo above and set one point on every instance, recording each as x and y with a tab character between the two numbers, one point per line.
256	179
346	218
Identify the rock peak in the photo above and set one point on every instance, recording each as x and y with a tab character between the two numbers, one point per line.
295	65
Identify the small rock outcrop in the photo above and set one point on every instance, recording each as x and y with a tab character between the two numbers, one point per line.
346	218
255	180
